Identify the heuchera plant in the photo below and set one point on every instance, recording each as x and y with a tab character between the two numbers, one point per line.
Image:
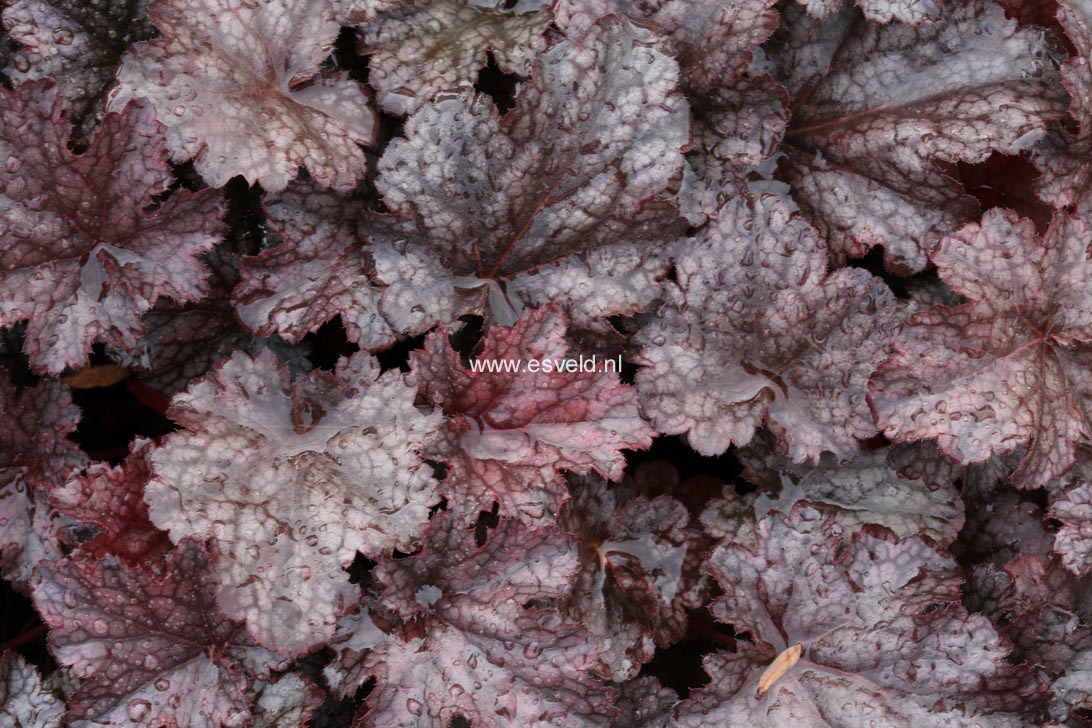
507	363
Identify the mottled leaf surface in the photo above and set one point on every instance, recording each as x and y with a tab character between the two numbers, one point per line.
239	88
874	108
471	647
320	269
23	702
1009	368
754	331
881	11
148	646
713	40
1073	542
863	490
561	199
77	43
111	499
36	456
423	48
508	434
85	256
292	478
883	635
640	571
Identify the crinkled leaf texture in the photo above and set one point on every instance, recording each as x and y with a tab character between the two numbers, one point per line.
148	645
561	199
78	43
881	11
423	48
85	255
320	269
111	499
640	570
471	647
185	341
875	107
23	702
882	634
713	40
239	89
292	478
36	456
863	490
755	331
1010	367
1065	159
1073	542
508	434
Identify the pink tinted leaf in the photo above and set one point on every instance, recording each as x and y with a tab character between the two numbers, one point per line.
149	647
292	478
239	88
1035	601
473	648
737	126
1073	542
880	626
713	40
1011	366
289	701
78	43
85	256
562	199
36	456
185	341
881	11
1065	159
860	491
640	571
23	701
755	332
111	498
875	107
509	434
420	49
319	270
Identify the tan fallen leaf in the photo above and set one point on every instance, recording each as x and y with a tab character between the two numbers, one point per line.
101	375
781	664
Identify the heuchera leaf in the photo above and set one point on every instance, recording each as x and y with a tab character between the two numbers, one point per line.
508	434
319	270
755	332
640	570
423	48
1073	542
739	125
713	40
875	107
185	341
1035	602
35	457
882	634
239	89
881	11
292	478
84	255
863	490
1065	159
149	647
471	647
558	200
77	43
111	498
290	701
23	702
1011	366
